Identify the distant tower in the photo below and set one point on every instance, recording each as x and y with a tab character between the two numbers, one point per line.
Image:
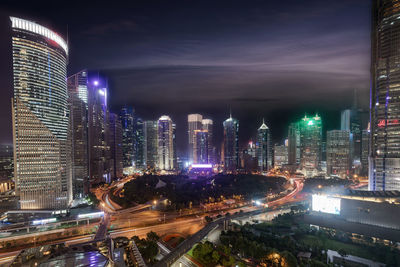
99	148
115	142
208	126
78	108
139	144
194	123
231	144
126	116
338	153
40	117
311	144
384	162
294	144
264	148
200	147
165	143
151	143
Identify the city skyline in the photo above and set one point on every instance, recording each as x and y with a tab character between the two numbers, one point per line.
249	109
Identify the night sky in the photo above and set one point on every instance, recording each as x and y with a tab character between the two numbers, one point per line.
271	59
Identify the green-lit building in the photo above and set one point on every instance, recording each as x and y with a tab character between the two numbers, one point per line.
310	144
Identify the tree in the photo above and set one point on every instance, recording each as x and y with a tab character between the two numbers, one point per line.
290	259
152	236
215	256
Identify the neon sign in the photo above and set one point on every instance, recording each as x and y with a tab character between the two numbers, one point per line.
382	123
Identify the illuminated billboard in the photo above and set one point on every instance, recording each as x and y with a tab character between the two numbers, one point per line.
326	204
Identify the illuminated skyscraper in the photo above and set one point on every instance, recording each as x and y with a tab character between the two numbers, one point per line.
200	147
366	136
139	144
264	148
208	126
294	144
194	123
99	149
338	153
384	162
126	116
310	143
280	155
78	108
165	143
151	143
231	144
115	143
40	117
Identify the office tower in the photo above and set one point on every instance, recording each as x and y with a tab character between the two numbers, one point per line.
384	163
78	132
40	117
115	142
175	154
264	148
365	151
310	144
200	148
150	144
99	149
338	153
165	143
6	162
195	122
280	155
208	126
294	144
231	144
139	144
126	116
248	157
351	121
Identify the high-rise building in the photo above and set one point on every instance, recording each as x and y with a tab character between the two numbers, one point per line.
351	121
264	148
6	162
139	144
338	153
248	157
195	122
99	148
40	117
280	155
165	143
151	144
384	162
310	144
127	117
231	144
175	154
208	126
366	136
294	144
115	143
78	132
200	149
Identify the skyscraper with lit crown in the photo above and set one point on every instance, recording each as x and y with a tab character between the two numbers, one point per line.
264	148
194	124
231	144
310	144
40	117
165	143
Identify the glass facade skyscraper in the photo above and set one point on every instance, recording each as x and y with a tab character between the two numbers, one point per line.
384	161
310	144
126	116
231	144
338	153
151	144
165	143
195	122
264	148
40	117
78	132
